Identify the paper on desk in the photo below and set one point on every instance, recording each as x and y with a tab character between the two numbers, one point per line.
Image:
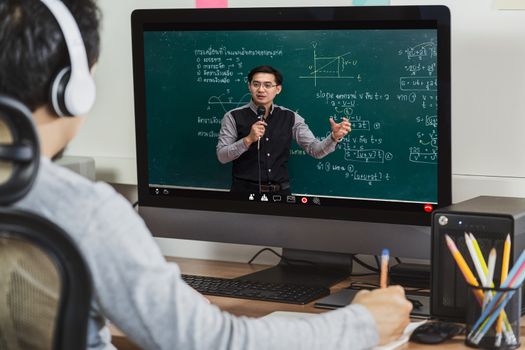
403	339
390	346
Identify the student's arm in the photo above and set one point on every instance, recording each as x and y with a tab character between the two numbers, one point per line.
145	297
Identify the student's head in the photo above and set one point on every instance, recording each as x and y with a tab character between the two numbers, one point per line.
33	50
264	83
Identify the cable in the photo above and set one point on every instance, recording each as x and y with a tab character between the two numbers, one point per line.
378	263
259	164
260	116
284	259
262	250
365	265
135	204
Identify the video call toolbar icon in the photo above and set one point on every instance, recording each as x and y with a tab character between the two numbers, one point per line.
290	199
264	198
163	191
276	198
251	196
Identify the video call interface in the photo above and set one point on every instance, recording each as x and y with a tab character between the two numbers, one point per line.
383	80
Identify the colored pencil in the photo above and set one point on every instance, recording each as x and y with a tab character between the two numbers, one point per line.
463	267
475	259
479	254
504	272
385	256
491	267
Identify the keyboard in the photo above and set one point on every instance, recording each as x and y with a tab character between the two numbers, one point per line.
277	292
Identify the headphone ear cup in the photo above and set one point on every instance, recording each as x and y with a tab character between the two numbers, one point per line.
58	92
73	90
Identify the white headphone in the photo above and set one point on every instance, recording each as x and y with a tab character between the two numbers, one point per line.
73	89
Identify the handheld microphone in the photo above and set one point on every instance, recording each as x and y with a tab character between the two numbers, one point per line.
260	115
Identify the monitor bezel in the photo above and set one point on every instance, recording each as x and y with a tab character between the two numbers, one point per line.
380	17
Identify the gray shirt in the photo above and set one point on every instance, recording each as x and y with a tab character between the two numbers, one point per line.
229	148
144	296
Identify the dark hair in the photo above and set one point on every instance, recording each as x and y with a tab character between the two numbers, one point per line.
32	46
266	69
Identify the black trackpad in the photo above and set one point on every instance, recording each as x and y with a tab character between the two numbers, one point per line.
420	303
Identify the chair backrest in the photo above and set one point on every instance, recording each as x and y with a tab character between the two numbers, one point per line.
45	284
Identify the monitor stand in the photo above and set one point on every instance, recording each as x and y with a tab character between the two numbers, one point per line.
306	268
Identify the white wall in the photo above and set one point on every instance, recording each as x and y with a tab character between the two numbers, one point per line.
488	103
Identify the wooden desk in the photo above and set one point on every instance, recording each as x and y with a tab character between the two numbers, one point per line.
245	307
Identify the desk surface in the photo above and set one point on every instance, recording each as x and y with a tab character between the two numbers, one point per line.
245	307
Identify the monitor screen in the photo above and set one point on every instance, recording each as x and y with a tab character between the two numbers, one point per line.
385	69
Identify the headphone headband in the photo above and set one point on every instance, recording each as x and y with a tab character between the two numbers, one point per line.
78	93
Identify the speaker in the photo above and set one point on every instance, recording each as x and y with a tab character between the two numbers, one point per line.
490	220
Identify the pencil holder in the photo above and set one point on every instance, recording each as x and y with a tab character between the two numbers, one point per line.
493	318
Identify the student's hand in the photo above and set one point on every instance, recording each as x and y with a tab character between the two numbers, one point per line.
339	130
256	132
390	309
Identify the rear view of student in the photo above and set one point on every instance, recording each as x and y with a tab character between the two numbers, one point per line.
134	287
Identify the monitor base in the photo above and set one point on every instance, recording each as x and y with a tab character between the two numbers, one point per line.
306	268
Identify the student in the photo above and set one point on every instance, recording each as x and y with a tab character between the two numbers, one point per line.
247	140
134	286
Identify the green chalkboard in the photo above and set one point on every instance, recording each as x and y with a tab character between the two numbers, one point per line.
384	81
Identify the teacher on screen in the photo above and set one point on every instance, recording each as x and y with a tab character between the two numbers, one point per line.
257	137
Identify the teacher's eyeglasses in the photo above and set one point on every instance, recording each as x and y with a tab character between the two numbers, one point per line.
267	85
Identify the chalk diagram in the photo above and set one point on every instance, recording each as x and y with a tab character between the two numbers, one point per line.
331	67
228	102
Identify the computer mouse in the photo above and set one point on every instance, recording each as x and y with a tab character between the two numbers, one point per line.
435	332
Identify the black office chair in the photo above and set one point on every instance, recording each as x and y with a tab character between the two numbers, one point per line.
45	284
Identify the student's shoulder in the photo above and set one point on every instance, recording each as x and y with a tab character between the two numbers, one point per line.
68	199
70	185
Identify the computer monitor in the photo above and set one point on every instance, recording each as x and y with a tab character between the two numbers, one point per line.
387	69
